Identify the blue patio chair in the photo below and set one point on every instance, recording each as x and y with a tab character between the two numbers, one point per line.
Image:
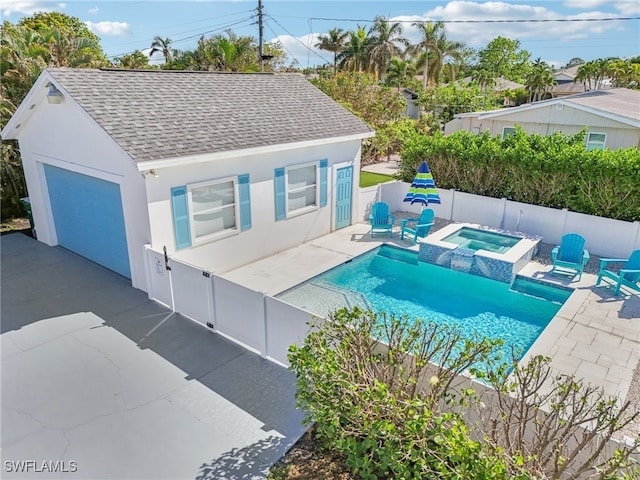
381	220
629	274
417	227
570	257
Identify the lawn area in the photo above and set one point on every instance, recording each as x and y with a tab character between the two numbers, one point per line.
368	179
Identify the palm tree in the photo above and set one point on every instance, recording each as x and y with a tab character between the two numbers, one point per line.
593	73
334	42
384	42
354	56
538	80
400	71
228	54
433	49
163	45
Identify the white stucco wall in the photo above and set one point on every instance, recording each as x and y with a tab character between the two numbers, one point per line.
65	136
266	236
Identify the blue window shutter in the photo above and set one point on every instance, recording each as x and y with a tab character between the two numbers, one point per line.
280	194
181	217
323	183
244	198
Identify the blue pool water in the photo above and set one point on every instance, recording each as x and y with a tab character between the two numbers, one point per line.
392	280
475	239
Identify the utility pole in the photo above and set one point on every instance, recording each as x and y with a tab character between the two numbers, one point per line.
260	52
263	57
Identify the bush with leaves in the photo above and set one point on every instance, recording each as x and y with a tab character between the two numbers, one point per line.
547	170
401	409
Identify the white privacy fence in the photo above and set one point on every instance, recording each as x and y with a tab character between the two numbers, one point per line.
605	237
258	322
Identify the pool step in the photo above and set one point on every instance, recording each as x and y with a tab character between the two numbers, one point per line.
541	289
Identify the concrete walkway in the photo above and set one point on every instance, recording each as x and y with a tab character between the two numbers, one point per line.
98	382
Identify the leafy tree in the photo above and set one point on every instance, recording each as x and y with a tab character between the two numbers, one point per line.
43	40
70	42
378	106
333	42
385	40
401	409
229	53
574	62
442	103
135	60
502	57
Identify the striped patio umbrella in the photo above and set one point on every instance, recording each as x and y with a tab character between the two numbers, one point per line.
423	188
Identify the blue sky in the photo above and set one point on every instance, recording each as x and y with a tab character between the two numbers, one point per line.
124	26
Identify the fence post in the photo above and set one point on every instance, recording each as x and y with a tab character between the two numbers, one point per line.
264	351
453	198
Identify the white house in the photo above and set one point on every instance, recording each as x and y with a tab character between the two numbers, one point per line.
218	169
612	118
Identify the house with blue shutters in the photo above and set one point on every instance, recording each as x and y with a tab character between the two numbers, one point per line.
217	169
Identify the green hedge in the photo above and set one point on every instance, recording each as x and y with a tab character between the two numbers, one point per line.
551	171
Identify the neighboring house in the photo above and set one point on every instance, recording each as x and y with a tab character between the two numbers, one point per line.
566	83
413	108
220	169
611	117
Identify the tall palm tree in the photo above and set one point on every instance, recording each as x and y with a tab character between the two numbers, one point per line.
354	56
385	40
163	45
333	42
433	49
539	80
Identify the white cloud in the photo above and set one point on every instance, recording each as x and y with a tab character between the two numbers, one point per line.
585	4
28	7
93	11
628	8
109	29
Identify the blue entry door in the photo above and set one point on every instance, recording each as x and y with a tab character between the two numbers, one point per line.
88	218
344	187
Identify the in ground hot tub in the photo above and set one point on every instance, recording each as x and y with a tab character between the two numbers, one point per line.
484	251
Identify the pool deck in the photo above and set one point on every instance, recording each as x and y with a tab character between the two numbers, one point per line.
595	335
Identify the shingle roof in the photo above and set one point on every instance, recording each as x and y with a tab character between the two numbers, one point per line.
155	114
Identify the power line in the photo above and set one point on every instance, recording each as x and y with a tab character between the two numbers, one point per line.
297	40
198	35
530	20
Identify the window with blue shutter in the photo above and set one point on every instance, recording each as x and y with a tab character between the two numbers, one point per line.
323	182
179	205
280	194
244	199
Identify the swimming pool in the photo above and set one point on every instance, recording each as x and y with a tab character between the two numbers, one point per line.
394	281
475	239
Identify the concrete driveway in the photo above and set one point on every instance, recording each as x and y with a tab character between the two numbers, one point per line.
98	382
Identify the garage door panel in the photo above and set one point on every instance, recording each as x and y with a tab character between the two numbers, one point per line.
88	218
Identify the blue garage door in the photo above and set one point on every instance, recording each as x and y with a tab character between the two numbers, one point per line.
88	218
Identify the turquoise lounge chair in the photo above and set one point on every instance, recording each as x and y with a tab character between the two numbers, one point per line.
629	274
418	227
381	220
570	257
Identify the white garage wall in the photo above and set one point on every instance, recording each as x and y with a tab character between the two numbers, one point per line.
74	142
